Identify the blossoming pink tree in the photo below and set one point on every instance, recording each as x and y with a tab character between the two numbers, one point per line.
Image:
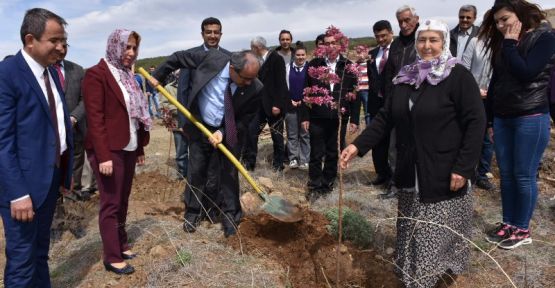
319	94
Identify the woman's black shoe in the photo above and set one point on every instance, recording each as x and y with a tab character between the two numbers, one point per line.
128	269
128	256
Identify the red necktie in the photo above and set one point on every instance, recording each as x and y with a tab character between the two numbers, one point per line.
229	118
58	68
53	115
384	59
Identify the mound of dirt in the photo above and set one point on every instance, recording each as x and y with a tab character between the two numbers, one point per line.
309	253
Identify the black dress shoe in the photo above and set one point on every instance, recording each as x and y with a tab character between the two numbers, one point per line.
128	269
390	193
380	180
128	256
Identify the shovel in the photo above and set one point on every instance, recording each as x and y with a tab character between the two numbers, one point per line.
275	206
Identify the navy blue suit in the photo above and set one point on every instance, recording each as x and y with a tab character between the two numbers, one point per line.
27	166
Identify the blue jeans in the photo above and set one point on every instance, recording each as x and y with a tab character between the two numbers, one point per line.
363	95
519	145
485	159
154	98
181	152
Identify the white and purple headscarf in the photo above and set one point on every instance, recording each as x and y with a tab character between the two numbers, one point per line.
433	71
117	45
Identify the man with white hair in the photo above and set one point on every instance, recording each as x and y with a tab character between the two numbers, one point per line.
274	96
401	53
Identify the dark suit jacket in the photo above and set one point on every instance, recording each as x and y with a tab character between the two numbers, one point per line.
340	90
440	135
74	74
107	115
376	83
272	75
453	44
183	87
207	65
27	135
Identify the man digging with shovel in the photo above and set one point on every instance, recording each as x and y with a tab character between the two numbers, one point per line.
224	96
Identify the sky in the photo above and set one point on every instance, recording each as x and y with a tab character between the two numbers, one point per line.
167	26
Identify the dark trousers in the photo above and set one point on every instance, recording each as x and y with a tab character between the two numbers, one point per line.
484	166
323	148
208	165
27	243
380	153
114	202
276	131
78	162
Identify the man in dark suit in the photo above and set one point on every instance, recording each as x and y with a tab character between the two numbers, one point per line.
71	76
211	31
224	97
274	96
401	53
35	148
462	33
323	121
383	33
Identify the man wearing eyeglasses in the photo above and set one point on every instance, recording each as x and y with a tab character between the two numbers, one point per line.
462	33
224	97
35	148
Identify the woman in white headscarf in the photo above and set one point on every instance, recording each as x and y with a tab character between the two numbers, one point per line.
439	120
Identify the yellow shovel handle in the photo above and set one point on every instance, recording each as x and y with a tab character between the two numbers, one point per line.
206	132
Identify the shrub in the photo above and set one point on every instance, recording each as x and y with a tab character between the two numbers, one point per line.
355	227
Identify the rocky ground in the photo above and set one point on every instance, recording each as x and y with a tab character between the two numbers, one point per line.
266	253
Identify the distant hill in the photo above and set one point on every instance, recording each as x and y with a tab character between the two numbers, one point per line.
551	16
368	41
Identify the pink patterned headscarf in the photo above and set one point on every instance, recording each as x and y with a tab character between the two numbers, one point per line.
117	45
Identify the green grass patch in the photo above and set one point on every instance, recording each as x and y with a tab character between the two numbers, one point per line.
184	257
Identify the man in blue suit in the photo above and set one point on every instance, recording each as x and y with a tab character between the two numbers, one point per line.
35	148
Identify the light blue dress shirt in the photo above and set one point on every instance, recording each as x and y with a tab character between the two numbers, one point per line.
211	98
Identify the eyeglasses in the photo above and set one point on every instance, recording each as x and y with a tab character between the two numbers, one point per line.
465	17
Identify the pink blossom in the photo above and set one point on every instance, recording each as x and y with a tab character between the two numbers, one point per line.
316	95
169	118
331	52
323	74
354	69
343	110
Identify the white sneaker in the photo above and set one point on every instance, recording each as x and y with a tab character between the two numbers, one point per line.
303	166
293	164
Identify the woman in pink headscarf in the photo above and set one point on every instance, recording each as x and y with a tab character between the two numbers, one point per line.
118	124
439	120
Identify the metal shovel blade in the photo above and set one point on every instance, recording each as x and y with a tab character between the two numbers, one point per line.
280	208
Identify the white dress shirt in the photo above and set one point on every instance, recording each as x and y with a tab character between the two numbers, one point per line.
132	145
